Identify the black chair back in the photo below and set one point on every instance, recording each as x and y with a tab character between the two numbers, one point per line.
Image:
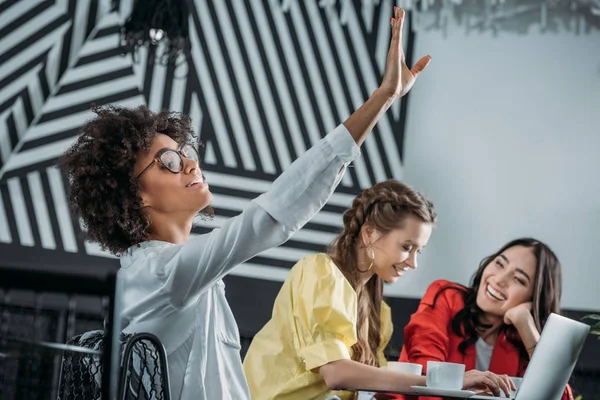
144	371
143	368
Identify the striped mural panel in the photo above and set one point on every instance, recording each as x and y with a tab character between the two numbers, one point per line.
265	81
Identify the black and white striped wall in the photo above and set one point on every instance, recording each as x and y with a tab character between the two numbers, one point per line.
266	80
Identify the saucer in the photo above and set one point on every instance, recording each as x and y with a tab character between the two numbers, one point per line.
442	392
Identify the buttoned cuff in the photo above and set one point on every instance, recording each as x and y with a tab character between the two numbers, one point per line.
342	144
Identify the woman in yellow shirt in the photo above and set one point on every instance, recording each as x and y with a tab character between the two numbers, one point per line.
330	324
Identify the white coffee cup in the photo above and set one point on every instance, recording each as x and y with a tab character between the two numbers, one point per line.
405	368
443	375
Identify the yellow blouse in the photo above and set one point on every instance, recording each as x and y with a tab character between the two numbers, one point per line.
313	323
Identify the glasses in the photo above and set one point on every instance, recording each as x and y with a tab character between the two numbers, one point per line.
172	159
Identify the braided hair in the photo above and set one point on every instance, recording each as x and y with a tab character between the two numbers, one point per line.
385	206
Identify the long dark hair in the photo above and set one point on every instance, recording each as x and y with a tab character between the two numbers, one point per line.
385	206
546	296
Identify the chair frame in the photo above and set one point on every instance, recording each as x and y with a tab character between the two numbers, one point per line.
126	357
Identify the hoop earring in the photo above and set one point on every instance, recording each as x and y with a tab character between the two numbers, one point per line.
372	260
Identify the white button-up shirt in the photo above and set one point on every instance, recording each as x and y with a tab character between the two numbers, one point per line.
176	291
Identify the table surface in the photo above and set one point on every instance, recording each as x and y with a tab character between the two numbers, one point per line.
406	393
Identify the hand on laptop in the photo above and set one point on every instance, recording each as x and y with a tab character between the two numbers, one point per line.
485	382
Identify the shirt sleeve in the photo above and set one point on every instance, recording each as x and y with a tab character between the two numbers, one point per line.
324	311
426	335
293	199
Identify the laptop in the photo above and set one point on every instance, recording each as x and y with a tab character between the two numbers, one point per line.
552	362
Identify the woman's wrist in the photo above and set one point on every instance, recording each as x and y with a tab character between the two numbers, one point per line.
387	94
526	324
401	382
528	333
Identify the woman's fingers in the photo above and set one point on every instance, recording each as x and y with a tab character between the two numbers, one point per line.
420	65
502	382
491	384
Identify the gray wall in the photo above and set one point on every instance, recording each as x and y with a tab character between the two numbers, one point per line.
503	133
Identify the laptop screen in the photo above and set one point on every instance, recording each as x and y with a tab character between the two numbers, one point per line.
554	359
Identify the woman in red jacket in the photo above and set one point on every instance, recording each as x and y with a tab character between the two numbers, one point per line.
495	324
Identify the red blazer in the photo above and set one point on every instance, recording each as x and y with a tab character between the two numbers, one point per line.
429	337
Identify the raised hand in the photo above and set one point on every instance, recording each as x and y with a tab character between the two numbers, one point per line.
518	314
398	79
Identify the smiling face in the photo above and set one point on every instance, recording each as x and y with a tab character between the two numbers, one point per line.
507	280
178	194
397	251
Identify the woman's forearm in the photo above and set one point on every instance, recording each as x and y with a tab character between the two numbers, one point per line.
397	80
362	121
348	374
528	333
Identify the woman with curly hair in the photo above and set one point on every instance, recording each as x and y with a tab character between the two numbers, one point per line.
137	185
330	324
495	323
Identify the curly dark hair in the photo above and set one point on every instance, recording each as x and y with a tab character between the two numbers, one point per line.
104	192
